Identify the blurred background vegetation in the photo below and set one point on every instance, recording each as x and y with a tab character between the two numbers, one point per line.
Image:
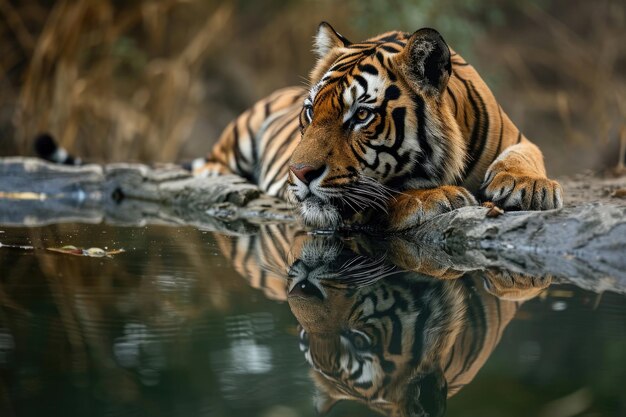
149	80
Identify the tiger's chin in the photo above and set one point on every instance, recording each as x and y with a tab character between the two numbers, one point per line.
318	214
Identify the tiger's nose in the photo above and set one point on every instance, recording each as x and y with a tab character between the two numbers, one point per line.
306	289
307	173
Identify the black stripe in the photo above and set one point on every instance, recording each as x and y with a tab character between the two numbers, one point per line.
358	156
501	132
398	116
475	329
480	128
253	139
498	312
362	81
395	341
381	58
356	54
390	48
453	100
344	64
361	147
419	170
233	249
363	385
247	254
322	95
391	38
281	171
237	152
419	335
272	244
263	278
450	359
368	68
282	242
339	177
285	143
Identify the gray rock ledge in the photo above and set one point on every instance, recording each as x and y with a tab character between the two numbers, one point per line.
585	238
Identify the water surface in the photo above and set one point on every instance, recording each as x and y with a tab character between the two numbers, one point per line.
188	322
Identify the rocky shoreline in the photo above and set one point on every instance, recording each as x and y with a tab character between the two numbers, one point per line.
585	238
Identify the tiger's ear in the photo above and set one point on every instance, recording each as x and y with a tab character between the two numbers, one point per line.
426	61
326	39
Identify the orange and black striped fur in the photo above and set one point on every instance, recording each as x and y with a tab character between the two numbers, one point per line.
400	341
398	124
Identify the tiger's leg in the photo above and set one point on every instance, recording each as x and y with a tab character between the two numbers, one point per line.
514	286
414	207
412	257
517	180
406	255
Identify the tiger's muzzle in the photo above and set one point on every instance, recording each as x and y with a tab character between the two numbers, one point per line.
317	208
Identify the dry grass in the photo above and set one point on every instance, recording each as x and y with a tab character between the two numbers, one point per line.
567	78
154	80
87	76
130	80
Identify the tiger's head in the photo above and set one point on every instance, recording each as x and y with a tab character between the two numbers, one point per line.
377	341
375	121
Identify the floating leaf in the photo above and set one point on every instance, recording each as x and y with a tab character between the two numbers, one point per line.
69	249
494	211
91	252
95	252
114	251
619	193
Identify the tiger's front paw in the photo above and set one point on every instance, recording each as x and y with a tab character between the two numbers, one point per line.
513	191
414	207
514	286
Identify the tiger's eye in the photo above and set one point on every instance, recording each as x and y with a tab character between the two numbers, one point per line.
362	114
308	113
360	340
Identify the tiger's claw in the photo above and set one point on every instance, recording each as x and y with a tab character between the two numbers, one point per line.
522	192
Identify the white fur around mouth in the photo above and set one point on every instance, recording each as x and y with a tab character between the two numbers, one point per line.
318	214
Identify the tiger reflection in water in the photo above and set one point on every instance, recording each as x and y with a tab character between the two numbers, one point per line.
400	338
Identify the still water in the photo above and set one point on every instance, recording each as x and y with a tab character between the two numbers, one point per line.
281	323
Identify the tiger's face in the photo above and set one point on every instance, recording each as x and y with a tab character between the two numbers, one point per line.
373	123
378	341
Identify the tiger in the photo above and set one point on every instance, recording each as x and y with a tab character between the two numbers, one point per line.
392	131
399	341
